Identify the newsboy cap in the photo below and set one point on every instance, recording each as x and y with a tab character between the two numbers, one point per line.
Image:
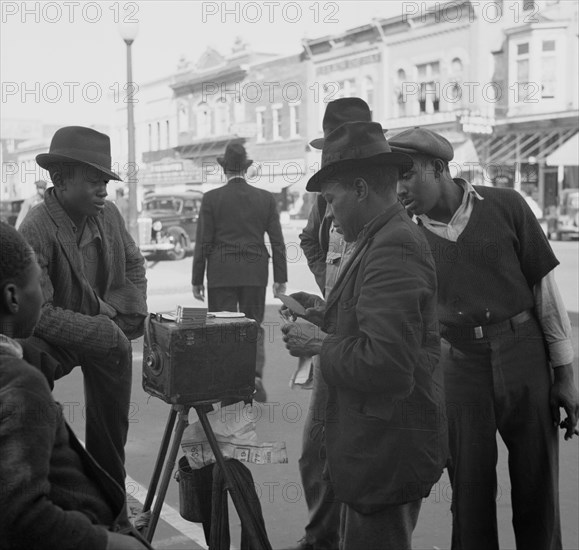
420	141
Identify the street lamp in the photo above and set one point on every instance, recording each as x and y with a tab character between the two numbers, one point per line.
128	32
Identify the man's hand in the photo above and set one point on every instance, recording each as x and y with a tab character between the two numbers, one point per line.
303	339
314	306
199	292
564	394
278	288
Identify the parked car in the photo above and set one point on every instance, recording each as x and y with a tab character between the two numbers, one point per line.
566	223
9	211
537	211
168	223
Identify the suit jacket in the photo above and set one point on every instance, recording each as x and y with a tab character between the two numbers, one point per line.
230	231
72	316
385	427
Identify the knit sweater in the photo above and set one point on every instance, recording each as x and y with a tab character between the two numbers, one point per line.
488	275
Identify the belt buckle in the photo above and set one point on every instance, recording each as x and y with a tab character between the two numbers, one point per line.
478	332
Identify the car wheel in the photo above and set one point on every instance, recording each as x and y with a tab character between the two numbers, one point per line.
178	253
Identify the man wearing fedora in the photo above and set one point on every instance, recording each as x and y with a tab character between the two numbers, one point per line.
502	322
94	287
325	251
385	433
230	244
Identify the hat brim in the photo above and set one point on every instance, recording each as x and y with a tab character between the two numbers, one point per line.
401	160
318	143
245	165
44	160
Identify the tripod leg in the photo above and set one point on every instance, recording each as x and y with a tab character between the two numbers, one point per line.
160	460
169	466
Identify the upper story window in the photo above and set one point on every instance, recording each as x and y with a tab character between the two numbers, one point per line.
260	123
523	71
203	120
548	69
294	120
168	134
182	118
399	93
150	137
429	93
221	117
276	121
369	91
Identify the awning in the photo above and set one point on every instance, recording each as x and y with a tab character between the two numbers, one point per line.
567	154
515	147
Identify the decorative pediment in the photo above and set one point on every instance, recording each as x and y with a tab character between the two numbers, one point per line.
209	58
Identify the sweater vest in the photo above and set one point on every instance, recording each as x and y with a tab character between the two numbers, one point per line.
488	275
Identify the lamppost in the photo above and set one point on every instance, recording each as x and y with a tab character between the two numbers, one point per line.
128	32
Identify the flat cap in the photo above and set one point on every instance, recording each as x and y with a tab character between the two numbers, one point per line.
420	141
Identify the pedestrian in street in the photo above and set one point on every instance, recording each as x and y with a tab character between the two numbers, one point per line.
230	244
325	251
31	202
54	495
503	323
94	288
384	430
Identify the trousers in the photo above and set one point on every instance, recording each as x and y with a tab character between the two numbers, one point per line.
502	383
246	299
388	529
322	529
107	391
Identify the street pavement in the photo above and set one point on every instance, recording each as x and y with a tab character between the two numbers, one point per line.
282	417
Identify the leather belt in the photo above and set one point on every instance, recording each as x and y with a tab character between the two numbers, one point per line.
455	332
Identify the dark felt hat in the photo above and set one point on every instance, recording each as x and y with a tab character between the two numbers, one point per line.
355	144
235	158
345	109
77	144
420	141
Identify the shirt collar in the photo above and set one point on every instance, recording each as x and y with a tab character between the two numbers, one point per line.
470	193
9	346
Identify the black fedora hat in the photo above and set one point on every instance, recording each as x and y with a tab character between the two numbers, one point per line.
235	158
345	109
356	144
77	144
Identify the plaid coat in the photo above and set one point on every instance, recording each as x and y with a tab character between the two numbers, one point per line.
72	314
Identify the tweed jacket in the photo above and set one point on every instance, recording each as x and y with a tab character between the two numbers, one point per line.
385	428
73	316
230	237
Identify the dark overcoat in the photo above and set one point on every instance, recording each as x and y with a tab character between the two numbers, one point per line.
386	429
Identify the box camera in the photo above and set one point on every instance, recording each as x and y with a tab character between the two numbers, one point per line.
188	364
